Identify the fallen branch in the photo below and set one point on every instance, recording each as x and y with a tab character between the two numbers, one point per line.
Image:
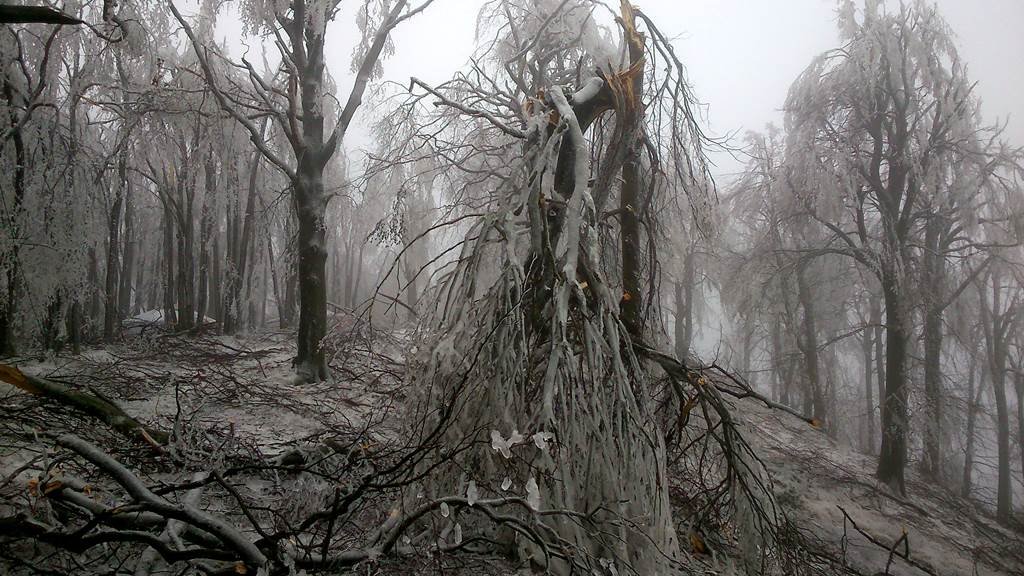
97	407
903	539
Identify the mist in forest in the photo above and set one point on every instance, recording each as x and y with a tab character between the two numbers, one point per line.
512	287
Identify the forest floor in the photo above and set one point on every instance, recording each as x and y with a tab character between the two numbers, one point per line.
232	400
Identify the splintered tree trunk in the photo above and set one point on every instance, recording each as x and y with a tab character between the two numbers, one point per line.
892	458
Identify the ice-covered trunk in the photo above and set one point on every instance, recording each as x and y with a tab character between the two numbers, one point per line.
893	454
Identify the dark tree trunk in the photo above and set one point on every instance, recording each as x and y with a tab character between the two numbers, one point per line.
1020	417
1004	494
358	273
973	405
932	278
216	310
205	228
997	325
170	308
814	397
94	293
74	321
11	261
310	362
186	261
272	270
111	301
684	307
892	458
124	292
879	338
867	348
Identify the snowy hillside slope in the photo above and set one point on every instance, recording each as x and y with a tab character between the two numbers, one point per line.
240	391
816	481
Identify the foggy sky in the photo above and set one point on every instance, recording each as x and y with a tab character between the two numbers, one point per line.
741	55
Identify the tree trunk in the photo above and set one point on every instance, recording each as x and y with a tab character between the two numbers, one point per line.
124	292
310	362
1020	417
216	310
170	308
878	330
272	270
74	321
1004	495
893	454
684	307
973	403
186	260
111	301
813	394
94	293
867	347
205	228
932	278
9	307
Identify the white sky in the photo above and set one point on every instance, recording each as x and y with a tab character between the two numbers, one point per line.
741	55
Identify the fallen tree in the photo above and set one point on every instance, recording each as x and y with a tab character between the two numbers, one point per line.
94	405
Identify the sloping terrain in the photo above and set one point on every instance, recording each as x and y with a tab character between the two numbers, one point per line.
232	402
829	493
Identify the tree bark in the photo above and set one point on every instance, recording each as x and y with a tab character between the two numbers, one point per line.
813	393
111	301
170	307
973	403
867	348
893	453
124	292
932	279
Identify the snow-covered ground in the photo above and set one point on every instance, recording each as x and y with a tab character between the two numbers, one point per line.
243	388
816	479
